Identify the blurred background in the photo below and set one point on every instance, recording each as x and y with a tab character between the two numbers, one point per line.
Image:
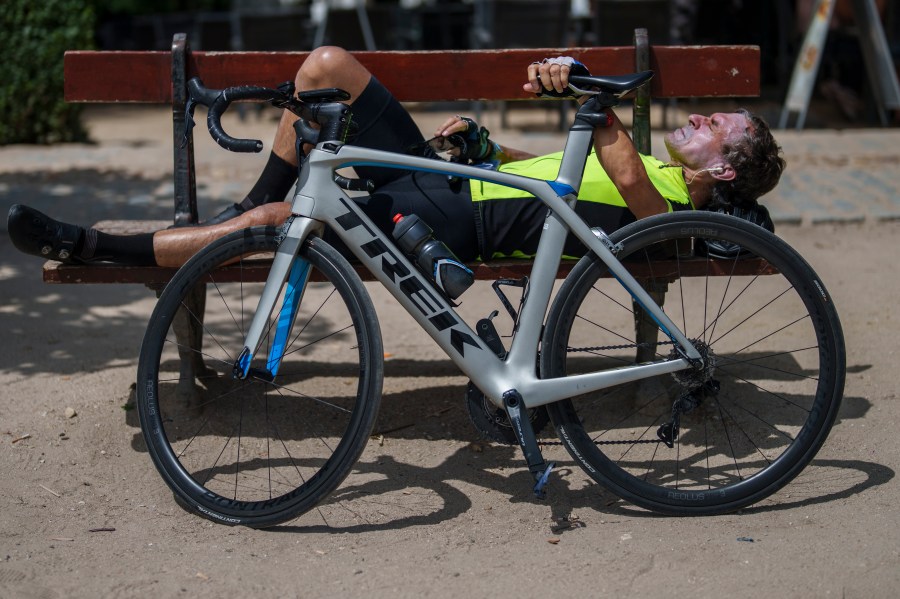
36	34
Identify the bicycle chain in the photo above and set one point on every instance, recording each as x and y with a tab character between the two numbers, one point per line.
607	348
637	442
626	346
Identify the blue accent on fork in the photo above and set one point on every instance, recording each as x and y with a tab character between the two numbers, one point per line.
296	283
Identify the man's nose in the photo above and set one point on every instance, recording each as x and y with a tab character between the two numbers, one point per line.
697	120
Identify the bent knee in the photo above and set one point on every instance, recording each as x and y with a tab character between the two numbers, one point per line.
323	62
331	66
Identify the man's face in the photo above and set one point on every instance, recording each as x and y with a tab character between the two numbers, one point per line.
699	143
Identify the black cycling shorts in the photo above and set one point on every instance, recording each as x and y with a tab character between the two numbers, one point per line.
384	124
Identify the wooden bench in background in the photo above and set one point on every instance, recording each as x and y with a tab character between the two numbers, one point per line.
412	76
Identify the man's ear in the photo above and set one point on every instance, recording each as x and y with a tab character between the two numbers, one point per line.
722	172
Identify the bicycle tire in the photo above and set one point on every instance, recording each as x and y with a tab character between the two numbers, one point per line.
252	452
778	366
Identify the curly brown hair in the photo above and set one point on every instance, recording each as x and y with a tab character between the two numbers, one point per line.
757	162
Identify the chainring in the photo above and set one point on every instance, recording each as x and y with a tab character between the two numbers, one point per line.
492	421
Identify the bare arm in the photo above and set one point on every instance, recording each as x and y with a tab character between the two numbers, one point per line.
615	150
620	160
507	154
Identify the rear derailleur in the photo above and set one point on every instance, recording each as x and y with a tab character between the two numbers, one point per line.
685	404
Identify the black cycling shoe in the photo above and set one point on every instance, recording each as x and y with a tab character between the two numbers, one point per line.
37	234
229	213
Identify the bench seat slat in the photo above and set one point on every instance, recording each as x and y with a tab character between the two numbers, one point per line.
662	270
155	276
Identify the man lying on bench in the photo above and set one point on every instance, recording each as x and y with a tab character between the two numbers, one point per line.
726	161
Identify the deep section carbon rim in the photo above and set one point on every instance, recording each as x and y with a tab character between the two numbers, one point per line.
721	437
256	451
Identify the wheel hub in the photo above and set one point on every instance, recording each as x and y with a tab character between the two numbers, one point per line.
696	377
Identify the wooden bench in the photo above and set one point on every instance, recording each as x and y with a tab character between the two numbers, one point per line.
160	78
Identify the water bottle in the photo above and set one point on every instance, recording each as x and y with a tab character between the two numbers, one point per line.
432	257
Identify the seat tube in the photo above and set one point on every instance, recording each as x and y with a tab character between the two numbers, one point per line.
540	287
550	249
578	146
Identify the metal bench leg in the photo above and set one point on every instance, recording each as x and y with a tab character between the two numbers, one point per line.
188	327
646	331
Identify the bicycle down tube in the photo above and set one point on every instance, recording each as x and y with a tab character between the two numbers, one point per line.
318	199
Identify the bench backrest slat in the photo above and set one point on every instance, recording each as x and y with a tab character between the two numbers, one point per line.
681	71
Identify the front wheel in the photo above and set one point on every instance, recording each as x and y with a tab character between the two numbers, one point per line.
261	450
702	441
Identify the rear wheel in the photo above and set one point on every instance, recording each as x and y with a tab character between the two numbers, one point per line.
258	452
714	440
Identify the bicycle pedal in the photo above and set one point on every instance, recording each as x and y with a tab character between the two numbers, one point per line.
540	487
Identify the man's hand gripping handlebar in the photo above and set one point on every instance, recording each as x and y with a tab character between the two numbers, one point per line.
324	107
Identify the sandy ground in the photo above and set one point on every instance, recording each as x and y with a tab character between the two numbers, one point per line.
83	513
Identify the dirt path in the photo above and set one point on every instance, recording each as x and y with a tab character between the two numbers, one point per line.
84	514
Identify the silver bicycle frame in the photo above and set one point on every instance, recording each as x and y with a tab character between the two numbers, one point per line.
319	201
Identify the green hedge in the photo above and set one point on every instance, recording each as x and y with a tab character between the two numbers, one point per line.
35	36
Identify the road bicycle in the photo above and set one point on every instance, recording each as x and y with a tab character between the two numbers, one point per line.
257	398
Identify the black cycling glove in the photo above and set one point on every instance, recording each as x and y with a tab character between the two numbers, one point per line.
575	68
474	143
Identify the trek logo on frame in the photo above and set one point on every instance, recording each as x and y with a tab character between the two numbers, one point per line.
409	283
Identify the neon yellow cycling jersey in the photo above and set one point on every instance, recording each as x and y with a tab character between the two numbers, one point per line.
509	223
596	186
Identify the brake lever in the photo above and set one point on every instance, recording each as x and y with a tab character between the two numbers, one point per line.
188	121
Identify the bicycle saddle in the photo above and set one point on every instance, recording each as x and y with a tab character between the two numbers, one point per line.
617	85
